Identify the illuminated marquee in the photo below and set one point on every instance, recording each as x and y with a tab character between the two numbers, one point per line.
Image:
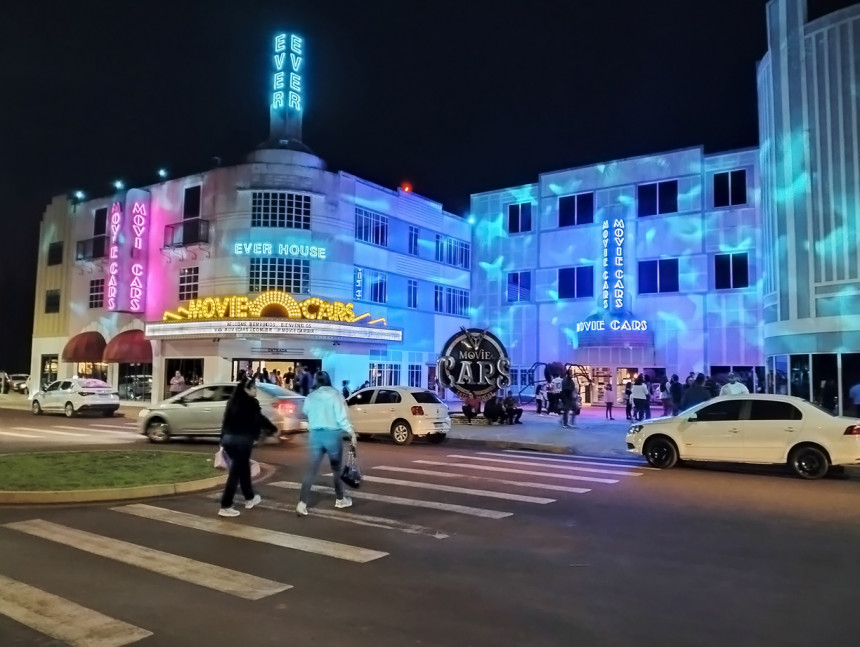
113	256
613	265
287	90
281	249
614	324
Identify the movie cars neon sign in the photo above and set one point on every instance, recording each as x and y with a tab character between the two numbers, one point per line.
613	265
474	361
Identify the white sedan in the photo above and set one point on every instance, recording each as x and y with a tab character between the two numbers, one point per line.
75	395
763	429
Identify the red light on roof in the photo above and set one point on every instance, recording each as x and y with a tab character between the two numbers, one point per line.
407	188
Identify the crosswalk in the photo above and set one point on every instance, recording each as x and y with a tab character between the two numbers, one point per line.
429	503
45	430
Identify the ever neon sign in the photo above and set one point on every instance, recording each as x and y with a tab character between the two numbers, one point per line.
287	90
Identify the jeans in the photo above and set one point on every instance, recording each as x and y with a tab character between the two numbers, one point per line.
566	411
320	443
639	404
239	451
609	410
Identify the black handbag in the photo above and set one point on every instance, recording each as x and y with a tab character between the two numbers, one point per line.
351	474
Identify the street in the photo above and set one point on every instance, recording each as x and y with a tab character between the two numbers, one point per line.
448	545
21	430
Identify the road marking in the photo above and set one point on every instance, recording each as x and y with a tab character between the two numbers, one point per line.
62	619
417	503
510	470
251	533
225	580
573	461
624	461
48	431
14	435
540	486
95	432
121	428
459	490
558	467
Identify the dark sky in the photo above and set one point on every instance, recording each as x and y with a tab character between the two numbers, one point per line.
459	97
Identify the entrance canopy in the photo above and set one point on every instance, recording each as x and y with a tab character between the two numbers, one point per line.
129	347
619	330
84	347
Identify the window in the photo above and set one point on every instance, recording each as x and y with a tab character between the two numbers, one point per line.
721	411
52	301
659	197
378	286
413	240
280	209
576	282
371	227
452	301
386	396
519	218
452	252
100	222
286	274
772	410
730	188
362	397
384	374
415	375
658	276
191	203
731	271
412	293
438	298
97	293
188	283
519	286
55	253
576	210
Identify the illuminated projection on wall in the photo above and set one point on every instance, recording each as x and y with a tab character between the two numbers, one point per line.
288	70
279	249
128	253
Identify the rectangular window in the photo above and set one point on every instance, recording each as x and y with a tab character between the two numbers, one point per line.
576	282
519	218
52	301
191	203
384	374
378	286
188	283
730	188
412	293
97	293
289	275
413	240
415	375
519	286
576	209
371	227
658	276
438	298
55	253
453	252
100	222
731	271
657	198
451	301
280	209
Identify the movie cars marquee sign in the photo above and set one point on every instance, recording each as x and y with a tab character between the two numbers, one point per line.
474	361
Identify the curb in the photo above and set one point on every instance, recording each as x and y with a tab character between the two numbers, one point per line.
536	447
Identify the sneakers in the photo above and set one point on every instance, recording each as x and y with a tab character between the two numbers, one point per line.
302	509
255	501
345	502
228	512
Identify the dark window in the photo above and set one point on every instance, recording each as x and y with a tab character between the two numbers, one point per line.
55	253
585	281
576	210
362	397
52	301
730	188
100	222
731	271
721	190
97	293
385	396
726	411
519	218
658	197
191	203
647	199
426	397
519	286
576	282
669	275
648	277
658	276
772	410
739	187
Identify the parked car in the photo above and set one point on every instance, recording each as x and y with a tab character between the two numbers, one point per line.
754	428
135	387
75	395
401	412
199	411
20	383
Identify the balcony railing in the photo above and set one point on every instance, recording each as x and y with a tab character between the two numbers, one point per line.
194	231
91	249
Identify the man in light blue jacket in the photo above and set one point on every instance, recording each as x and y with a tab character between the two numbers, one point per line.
328	419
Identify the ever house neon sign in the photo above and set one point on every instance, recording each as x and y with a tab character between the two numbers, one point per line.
281	249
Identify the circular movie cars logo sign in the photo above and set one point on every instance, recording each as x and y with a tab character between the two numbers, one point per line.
474	361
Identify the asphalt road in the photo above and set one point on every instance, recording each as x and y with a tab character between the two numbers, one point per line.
698	556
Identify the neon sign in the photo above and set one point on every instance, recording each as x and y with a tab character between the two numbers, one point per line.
113	254
614	324
287	91
613	265
282	249
358	284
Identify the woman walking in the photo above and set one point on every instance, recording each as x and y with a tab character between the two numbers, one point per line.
328	419
639	394
610	400
243	421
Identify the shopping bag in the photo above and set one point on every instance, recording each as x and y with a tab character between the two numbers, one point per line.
222	461
351	474
255	469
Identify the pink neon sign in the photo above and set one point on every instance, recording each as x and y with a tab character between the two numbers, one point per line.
129	249
113	254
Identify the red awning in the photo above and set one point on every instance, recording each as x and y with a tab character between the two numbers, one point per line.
129	347
84	347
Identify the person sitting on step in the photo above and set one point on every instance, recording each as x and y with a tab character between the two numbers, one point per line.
512	412
471	407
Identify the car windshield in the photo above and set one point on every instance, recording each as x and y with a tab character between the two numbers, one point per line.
274	390
93	384
426	397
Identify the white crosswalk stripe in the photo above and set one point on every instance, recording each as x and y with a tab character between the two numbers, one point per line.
632	460
527	484
101	434
459	490
574	468
51	431
12	434
511	470
62	619
573	461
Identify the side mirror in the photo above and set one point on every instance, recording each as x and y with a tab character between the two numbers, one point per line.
693	417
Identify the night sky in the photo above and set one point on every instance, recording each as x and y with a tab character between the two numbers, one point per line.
460	97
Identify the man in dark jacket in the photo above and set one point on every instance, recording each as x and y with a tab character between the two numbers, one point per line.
696	394
569	386
513	413
676	391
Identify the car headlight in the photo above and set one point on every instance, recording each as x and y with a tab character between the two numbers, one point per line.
143	413
635	429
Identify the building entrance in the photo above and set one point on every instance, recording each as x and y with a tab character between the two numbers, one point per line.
602	377
282	366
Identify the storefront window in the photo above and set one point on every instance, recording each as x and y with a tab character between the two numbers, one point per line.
800	383
760	380
780	374
96	371
50	365
851	383
181	374
770	370
825	387
385	374
135	382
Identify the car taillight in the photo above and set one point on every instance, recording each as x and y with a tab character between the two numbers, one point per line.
286	408
86	393
853	430
417	411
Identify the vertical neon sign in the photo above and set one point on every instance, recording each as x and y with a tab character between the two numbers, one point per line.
140	230
113	255
287	91
129	253
613	292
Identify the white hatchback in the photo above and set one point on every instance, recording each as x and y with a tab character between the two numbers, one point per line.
759	428
400	412
76	395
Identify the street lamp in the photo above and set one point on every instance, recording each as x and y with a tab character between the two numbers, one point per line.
119	185
162	173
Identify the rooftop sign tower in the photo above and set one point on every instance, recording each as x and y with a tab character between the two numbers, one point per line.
287	93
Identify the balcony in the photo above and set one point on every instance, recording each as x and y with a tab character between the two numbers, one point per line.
91	249
194	231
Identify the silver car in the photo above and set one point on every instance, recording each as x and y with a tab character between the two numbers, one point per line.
199	411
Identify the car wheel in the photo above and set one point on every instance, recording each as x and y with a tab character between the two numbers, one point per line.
37	408
69	410
363	436
157	431
401	432
437	438
809	462
661	453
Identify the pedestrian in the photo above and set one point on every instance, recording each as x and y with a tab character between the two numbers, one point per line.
177	384
345	389
696	394
512	411
471	407
328	420
677	392
243	421
734	387
568	386
666	398
628	400
610	401
639	394
541	399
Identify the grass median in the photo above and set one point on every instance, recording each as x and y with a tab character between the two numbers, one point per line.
96	470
